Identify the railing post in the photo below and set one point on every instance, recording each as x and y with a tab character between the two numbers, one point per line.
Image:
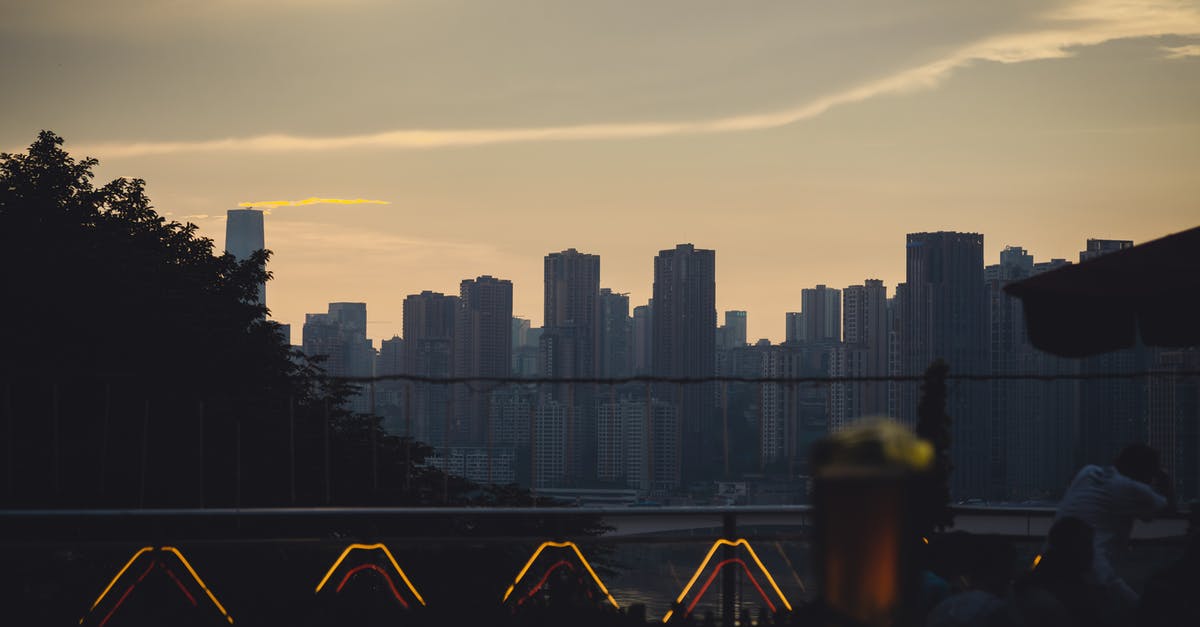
725	425
57	442
145	429
373	441
728	574
8	441
408	392
325	446
291	447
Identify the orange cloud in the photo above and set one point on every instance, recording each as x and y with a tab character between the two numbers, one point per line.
313	201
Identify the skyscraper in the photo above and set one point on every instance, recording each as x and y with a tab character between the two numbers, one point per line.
643	338
615	335
1031	421
571	309
1112	411
340	336
482	348
684	338
945	315
822	319
429	319
863	353
732	334
243	237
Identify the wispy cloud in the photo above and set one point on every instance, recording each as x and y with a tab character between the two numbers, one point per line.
1087	23
1181	52
313	201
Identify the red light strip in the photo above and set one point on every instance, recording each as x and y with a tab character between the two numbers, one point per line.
127	591
179	583
545	578
713	577
386	577
114	609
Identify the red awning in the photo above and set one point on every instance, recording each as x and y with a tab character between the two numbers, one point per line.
1102	304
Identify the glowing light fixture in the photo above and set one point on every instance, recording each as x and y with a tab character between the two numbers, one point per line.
704	564
1037	559
156	555
559	545
391	559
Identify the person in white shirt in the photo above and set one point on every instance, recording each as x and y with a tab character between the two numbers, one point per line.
1109	498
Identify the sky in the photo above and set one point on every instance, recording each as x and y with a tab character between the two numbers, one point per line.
801	140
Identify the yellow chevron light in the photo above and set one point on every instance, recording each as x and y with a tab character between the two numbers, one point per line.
371	547
183	560
582	560
708	558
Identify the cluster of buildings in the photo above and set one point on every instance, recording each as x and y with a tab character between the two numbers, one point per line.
1013	439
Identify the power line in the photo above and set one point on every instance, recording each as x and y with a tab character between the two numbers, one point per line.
1089	376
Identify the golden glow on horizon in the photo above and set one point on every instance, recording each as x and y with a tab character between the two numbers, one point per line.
582	560
707	558
313	201
370	547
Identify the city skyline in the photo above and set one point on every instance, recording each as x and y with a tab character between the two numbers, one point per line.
802	142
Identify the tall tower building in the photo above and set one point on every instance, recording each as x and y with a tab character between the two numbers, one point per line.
569	348
429	319
643	338
1112	411
1032	422
615	335
732	334
945	315
572	294
820	308
482	348
863	353
243	237
340	336
684	337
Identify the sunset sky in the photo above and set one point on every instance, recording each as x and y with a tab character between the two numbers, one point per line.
801	140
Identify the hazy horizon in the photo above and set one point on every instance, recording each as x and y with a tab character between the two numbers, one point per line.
801	141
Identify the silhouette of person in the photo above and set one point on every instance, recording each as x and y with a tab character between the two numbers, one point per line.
1061	589
1108	499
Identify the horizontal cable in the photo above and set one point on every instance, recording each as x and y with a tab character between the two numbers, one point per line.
1028	376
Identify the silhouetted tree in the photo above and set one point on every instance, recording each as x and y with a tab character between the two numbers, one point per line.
933	424
136	367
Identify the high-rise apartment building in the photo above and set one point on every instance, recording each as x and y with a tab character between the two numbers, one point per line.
571	312
643	334
732	334
1032	422
243	237
638	446
1098	247
1112	411
340	338
945	315
482	348
863	353
820	308
616	335
684	338
429	319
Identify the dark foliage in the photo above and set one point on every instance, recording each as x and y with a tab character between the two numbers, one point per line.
137	369
933	424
